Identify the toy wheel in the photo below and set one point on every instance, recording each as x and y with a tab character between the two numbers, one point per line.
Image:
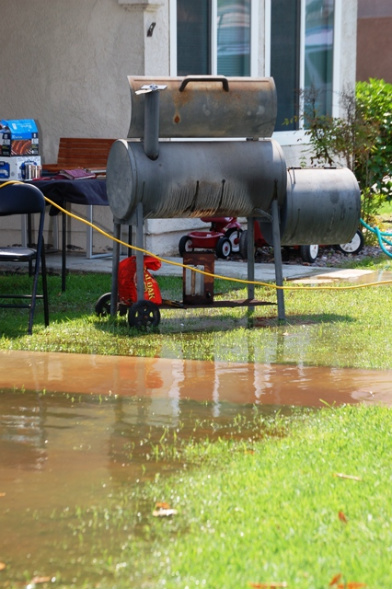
354	246
244	244
309	253
102	306
185	245
144	315
223	247
234	235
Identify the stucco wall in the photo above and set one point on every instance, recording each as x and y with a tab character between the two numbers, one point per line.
65	64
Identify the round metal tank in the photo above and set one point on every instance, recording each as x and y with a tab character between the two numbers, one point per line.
195	179
207	106
322	207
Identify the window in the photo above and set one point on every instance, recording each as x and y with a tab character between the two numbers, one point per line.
214	37
301	28
319	32
233	41
285	57
193	37
298	49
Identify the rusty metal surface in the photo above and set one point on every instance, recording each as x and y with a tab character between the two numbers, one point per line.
212	106
198	288
195	179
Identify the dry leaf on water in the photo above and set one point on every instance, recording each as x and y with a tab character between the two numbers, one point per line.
163	510
37	580
162	505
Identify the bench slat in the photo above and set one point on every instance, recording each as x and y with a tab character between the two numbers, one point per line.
81	152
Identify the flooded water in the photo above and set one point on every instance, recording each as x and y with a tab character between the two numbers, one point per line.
77	432
349	275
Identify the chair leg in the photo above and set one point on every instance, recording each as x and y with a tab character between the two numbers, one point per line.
30	241
39	263
34	295
44	286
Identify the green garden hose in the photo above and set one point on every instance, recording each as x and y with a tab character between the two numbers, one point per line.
381	236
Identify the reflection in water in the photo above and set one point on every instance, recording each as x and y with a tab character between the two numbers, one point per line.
22	426
148	393
164	382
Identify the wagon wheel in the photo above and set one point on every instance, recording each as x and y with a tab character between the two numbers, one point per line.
354	246
223	247
102	306
244	244
309	253
234	235
144	315
185	245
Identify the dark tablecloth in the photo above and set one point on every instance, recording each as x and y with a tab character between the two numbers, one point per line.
91	191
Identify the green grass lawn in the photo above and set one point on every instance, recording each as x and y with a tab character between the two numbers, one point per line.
296	510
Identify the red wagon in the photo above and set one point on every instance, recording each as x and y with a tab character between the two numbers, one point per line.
223	237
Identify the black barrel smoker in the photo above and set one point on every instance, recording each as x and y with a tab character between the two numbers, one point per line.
201	146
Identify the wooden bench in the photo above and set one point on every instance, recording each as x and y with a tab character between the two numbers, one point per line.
76	152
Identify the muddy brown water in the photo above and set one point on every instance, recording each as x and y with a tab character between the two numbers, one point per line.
75	430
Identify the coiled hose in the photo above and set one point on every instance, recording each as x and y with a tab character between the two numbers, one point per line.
381	236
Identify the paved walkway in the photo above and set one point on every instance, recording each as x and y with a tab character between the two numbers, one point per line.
237	269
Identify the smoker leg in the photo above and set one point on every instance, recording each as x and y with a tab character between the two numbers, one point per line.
64	251
251	257
139	255
115	263
278	259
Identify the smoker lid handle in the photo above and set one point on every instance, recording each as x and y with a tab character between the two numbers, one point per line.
223	79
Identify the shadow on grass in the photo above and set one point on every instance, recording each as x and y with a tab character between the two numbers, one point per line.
185	323
82	293
308	319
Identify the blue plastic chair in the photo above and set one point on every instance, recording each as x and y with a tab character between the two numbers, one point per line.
19	199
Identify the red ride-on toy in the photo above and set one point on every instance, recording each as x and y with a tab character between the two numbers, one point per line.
223	237
142	314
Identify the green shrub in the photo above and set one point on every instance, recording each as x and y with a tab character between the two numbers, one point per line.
362	138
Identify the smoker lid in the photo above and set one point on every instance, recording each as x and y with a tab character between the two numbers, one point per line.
207	106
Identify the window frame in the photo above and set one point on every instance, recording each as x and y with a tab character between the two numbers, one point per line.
287	137
254	37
